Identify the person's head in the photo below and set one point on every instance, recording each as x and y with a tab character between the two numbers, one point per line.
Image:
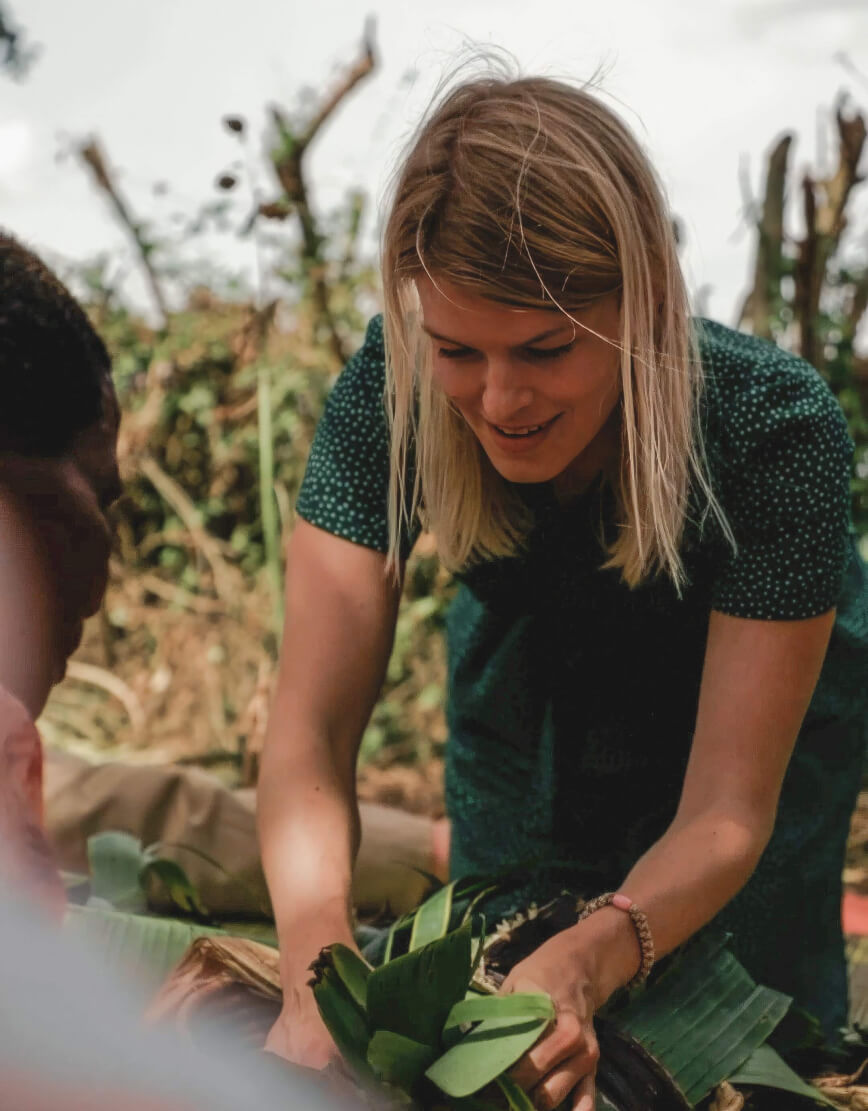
531	279
54	367
58	436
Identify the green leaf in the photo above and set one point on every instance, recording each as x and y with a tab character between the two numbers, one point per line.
479	897
471	889
519	1005
146	948
177	883
398	925
766	1068
353	971
116	860
480	947
483	1054
431	921
263	932
413	994
73	880
517	1098
398	1060
157	851
703	1018
345	1022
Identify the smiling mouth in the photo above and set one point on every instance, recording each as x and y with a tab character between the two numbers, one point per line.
525	431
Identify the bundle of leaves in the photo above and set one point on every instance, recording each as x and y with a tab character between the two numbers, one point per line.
425	1025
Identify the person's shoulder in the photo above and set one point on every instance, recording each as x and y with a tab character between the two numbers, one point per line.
373	347
738	363
364	375
755	389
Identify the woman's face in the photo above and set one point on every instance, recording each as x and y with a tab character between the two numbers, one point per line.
536	390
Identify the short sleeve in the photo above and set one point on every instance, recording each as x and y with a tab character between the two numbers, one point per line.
346	483
785	493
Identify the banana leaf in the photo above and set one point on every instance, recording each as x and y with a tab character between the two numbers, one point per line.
483	1054
122	868
353	972
176	883
765	1068
458	900
703	1019
147	947
520	1005
517	1098
398	1060
251	928
412	995
346	1022
116	860
631	1079
431	920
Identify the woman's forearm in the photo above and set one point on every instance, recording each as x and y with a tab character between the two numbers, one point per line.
309	835
680	883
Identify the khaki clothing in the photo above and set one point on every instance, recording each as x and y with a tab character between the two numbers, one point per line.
188	807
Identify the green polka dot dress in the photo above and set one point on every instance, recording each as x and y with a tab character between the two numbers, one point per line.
572	699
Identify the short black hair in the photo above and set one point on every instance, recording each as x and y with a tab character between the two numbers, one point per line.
52	362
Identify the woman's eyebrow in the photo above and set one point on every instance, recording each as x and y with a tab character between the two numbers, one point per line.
525	343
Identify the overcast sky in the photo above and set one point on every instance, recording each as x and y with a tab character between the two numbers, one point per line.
707	87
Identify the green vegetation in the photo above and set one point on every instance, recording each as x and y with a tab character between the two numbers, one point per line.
427	1026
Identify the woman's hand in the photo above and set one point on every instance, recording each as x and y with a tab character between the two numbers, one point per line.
563	1063
300	1035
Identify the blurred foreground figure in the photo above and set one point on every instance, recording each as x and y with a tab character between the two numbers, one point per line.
71	1033
58	476
71	1037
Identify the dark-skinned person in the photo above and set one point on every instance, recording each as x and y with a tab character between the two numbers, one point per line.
58	477
71	1030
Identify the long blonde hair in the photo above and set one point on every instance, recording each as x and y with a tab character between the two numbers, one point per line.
532	193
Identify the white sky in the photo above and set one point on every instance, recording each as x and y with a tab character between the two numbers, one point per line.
706	85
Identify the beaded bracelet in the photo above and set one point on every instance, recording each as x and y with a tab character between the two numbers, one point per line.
640	924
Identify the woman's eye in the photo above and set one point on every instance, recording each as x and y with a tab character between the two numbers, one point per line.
550	352
537	354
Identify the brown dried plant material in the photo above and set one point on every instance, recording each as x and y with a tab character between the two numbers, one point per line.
726	1098
230	979
846	1091
850	1099
92	155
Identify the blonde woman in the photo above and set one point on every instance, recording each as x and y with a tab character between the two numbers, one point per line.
659	641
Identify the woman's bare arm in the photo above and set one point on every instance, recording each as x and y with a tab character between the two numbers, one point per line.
757	683
341	608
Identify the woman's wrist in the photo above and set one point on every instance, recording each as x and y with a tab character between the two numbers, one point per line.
607	946
302	935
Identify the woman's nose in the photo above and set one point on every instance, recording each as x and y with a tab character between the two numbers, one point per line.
505	393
